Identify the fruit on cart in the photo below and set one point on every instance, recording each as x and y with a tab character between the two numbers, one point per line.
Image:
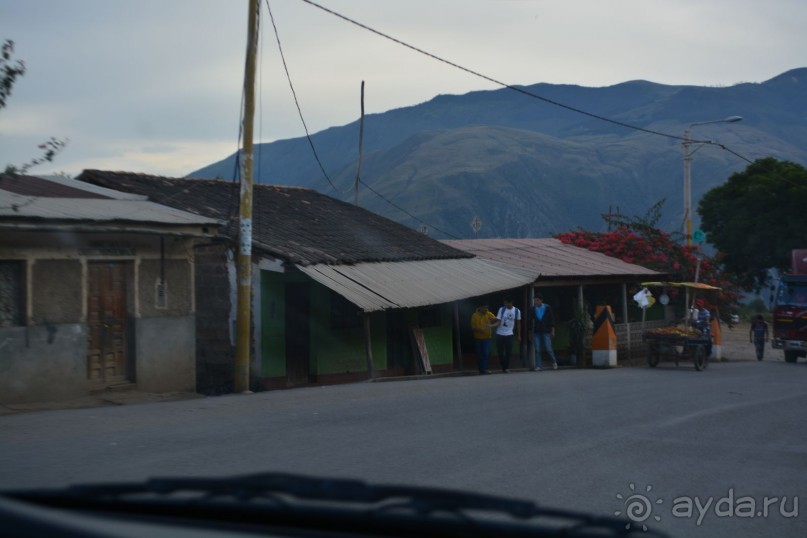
676	331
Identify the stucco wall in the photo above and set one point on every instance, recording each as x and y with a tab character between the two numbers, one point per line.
43	363
177	284
57	291
166	354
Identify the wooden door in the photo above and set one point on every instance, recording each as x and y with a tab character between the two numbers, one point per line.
298	333
107	361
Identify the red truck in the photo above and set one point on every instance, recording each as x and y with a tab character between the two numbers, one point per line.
790	310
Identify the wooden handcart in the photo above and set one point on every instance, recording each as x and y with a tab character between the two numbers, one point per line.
677	345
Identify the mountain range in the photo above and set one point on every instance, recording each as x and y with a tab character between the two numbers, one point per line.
527	167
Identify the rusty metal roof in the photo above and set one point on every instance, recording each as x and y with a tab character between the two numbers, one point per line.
18	208
408	284
551	258
45	188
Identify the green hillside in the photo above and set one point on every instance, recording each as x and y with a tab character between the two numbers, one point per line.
528	168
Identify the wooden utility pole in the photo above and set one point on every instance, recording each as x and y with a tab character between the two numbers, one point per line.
244	267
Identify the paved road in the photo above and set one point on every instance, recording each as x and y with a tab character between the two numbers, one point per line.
574	439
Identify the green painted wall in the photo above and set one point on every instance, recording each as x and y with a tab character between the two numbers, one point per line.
332	350
439	338
273	343
336	350
340	351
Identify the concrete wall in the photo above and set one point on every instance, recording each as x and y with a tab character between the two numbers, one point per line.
178	289
47	358
166	354
57	291
43	363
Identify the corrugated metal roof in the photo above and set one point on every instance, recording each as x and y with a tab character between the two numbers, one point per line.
550	257
18	207
385	285
38	186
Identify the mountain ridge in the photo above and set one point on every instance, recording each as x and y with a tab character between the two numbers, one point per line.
528	168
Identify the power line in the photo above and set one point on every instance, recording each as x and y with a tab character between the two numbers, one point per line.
498	82
502	84
297	102
399	208
521	90
311	142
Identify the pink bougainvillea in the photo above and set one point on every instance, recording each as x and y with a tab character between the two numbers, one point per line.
655	249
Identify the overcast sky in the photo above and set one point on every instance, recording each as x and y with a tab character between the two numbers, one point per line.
155	86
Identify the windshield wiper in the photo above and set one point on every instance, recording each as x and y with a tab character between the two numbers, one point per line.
332	505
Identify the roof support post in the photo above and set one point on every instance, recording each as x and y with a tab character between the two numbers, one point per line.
625	316
523	343
528	333
457	340
368	346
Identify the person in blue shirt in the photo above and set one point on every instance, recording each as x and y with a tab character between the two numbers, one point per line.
759	335
543	331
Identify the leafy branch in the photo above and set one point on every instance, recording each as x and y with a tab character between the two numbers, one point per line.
49	148
10	71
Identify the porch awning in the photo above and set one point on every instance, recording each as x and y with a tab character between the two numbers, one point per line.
385	285
696	285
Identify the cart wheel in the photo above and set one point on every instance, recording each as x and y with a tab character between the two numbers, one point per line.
653	356
699	357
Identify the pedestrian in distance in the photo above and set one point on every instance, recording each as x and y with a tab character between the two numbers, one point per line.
759	335
702	321
482	323
543	331
509	317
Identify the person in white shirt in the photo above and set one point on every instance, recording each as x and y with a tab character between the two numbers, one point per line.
509	327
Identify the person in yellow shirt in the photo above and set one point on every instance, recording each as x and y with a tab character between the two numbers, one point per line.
482	323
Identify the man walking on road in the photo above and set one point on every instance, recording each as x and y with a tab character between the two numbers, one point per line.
759	335
508	317
543	331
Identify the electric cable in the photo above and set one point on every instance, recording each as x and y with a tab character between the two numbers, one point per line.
399	208
313	148
297	102
510	86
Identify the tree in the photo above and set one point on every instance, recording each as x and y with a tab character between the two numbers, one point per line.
756	218
637	240
10	71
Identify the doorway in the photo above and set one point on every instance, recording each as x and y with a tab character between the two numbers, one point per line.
107	324
298	332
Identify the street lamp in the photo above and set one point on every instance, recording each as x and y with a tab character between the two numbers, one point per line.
688	173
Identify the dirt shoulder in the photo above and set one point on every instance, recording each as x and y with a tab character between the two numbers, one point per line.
100	399
738	347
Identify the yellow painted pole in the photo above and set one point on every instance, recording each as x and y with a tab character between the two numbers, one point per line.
244	264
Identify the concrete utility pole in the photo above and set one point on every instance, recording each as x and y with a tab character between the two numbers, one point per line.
244	267
688	152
